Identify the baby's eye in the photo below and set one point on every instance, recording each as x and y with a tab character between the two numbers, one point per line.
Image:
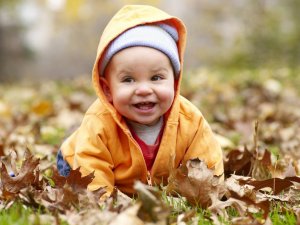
156	78
128	80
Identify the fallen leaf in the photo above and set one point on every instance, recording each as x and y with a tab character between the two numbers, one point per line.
27	175
77	182
128	216
196	182
152	207
187	217
42	108
238	162
219	207
237	188
276	184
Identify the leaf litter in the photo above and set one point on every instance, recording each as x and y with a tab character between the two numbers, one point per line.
261	159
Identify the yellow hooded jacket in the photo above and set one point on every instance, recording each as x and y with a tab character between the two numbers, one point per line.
103	142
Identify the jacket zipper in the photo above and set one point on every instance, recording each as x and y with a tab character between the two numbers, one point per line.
148	175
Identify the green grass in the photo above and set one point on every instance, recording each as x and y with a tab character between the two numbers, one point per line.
17	215
282	217
54	136
180	205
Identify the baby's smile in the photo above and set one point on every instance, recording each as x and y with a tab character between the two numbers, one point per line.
144	105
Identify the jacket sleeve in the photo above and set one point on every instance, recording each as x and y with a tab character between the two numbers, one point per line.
205	146
90	153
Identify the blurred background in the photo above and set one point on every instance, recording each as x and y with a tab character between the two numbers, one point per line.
53	39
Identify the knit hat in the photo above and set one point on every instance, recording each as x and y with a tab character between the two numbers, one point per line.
162	37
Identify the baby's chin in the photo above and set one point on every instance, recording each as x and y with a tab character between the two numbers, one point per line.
143	122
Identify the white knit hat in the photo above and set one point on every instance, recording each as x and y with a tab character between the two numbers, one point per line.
162	37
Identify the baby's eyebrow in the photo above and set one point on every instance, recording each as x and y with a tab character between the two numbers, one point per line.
158	69
123	71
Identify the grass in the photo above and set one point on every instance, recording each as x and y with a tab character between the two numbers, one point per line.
53	136
180	206
17	214
280	217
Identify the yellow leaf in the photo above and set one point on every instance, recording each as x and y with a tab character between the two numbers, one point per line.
42	108
4	109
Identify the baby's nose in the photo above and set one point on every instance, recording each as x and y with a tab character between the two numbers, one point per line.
143	89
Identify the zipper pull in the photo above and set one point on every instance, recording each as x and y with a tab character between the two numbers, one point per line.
149	180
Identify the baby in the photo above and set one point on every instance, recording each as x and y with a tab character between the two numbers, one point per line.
140	124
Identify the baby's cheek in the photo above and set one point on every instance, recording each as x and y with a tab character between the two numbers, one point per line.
122	97
167	97
170	94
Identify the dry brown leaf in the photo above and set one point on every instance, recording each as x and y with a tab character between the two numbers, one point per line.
117	197
236	185
58	200
77	182
128	216
88	217
34	190
261	164
238	162
152	207
71	191
196	182
276	184
59	181
218	207
27	175
187	218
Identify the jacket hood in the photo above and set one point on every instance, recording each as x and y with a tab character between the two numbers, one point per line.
127	17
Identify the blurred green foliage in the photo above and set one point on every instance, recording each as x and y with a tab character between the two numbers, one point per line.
60	40
10	3
272	38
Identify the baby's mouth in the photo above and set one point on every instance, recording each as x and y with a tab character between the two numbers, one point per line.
144	105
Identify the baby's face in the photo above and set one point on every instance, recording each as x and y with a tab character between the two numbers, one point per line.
139	82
